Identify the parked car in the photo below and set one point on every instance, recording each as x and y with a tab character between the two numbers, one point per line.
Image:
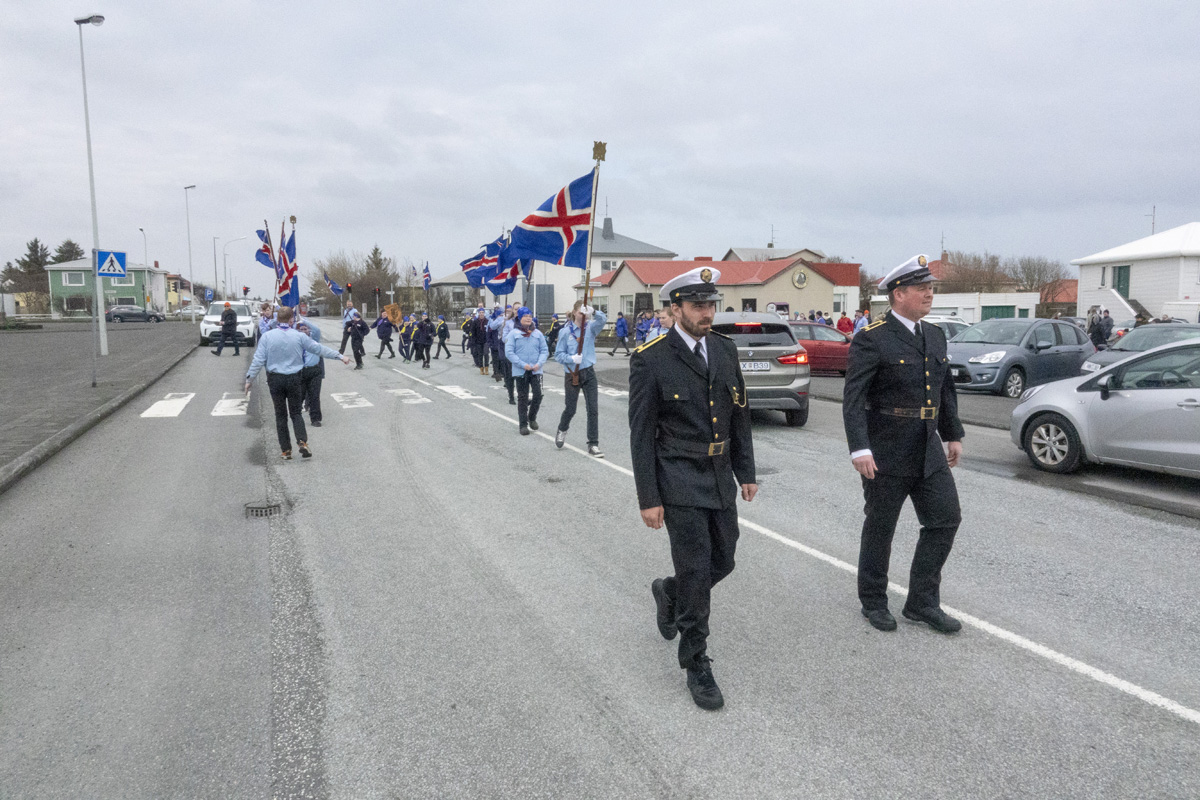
1080	321
951	326
774	366
1139	340
1004	356
186	313
828	348
247	328
1141	412
132	314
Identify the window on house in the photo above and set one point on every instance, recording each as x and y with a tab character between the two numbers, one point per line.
608	266
77	303
627	304
127	301
126	281
459	295
72	279
1023	313
750	304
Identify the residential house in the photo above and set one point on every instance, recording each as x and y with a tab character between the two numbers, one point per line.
1155	275
73	291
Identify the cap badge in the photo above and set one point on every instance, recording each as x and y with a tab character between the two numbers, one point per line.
921	260
706	275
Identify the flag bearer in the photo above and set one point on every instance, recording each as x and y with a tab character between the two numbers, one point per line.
580	372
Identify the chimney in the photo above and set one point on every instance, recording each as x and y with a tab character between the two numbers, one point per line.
608	230
703	258
156	263
945	257
770	245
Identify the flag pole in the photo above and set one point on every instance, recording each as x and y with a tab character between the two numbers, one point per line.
598	153
274	262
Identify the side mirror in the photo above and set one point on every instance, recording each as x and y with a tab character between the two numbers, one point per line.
1105	384
1040	346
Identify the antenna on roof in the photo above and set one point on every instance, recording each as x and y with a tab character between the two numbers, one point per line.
943	241
606	205
1151	215
771	243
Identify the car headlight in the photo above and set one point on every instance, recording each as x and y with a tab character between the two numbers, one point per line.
1028	393
1090	366
989	358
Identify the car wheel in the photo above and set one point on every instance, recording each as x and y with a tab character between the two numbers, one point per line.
154	319
796	417
1052	444
118	319
1014	383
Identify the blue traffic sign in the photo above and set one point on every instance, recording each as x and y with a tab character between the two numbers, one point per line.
110	264
208	295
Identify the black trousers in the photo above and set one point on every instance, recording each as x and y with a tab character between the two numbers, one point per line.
525	383
498	362
310	382
703	541
623	341
405	349
356	347
421	353
935	499
232	337
441	346
287	394
590	389
466	340
479	353
345	338
507	368
388	344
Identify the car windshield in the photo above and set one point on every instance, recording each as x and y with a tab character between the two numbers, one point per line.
994	331
240	309
1150	336
757	334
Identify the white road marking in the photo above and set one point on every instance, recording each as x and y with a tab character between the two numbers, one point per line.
459	392
1075	665
611	392
412	377
409	396
350	400
231	405
170	406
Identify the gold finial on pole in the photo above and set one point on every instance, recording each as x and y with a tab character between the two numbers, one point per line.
598	149
292	219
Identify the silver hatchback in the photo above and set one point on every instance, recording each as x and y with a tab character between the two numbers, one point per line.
1142	412
774	365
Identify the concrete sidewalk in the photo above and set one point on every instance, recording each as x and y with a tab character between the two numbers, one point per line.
46	383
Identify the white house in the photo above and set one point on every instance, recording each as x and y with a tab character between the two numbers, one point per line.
972	307
1146	275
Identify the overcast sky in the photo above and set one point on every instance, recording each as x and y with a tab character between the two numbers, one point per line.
865	130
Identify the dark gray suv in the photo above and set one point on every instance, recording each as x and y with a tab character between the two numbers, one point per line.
1003	356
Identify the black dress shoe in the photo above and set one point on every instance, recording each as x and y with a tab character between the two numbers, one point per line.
524	430
316	423
934	617
880	618
533	424
666	611
703	685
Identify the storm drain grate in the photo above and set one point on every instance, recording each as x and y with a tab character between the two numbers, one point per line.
263	509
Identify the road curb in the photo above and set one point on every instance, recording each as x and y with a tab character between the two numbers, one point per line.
31	459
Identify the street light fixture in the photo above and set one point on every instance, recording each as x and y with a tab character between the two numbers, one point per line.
98	313
225	257
191	275
145	260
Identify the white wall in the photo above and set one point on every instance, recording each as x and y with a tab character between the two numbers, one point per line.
968	306
1152	282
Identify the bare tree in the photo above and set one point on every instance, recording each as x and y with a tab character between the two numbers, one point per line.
1037	274
975	272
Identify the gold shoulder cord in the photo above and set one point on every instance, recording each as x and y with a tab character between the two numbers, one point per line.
650	343
739	396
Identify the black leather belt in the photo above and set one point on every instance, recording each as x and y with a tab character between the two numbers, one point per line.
928	412
670	443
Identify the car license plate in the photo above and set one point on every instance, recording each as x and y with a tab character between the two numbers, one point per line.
756	366
955	372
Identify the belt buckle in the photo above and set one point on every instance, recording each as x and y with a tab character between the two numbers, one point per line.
931	415
716	449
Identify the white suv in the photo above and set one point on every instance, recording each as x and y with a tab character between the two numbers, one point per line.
247	328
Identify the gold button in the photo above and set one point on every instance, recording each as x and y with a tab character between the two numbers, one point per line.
714	419
716	436
926	374
929	402
902	361
710	402
676	397
927	386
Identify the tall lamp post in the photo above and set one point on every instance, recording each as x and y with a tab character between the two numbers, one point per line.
100	327
191	275
145	262
225	257
216	278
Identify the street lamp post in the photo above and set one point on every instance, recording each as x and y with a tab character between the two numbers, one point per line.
145	262
216	278
225	257
98	313
191	275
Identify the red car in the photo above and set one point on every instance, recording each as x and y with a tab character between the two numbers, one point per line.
827	347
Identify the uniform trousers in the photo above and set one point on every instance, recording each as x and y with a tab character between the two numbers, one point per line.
590	389
703	541
498	362
345	338
388	344
466	340
935	499
440	347
526	382
310	382
406	348
421	353
479	353
356	347
287	395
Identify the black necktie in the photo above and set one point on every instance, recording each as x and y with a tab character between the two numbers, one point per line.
920	338
699	353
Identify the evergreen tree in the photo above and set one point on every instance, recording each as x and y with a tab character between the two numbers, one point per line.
67	251
29	273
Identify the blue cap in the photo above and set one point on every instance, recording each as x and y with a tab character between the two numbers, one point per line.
440	316
554	316
522	311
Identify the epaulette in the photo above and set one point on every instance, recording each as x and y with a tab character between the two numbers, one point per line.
722	335
875	324
650	343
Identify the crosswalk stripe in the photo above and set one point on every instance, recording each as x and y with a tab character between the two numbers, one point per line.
231	405
459	392
170	406
350	400
409	396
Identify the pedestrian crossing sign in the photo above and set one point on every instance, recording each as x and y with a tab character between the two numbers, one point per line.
110	264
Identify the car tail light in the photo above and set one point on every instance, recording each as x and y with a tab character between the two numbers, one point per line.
798	357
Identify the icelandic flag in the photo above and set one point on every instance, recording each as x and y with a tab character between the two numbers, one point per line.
289	286
427	277
333	287
485	264
414	271
558	231
504	282
266	254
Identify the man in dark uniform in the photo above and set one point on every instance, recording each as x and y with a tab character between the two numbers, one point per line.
690	439
899	406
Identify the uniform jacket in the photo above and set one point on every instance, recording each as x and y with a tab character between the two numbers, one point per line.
228	321
406	332
568	343
888	370
678	405
521	350
358	328
423	334
383	328
443	331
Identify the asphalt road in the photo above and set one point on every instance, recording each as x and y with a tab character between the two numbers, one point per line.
447	609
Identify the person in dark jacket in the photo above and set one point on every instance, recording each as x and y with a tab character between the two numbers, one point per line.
383	329
621	331
358	331
228	331
899	406
423	340
556	325
443	333
479	340
690	436
465	327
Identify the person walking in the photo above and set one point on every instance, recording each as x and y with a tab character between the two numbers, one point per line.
358	331
498	329
423	339
466	332
845	324
479	336
280	352
228	331
442	331
348	314
860	321
552	335
383	329
405	338
690	437
621	331
898	406
526	350
579	366
312	373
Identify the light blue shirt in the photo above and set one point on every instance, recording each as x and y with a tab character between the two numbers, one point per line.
568	343
860	323
282	350
349	314
310	359
521	350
